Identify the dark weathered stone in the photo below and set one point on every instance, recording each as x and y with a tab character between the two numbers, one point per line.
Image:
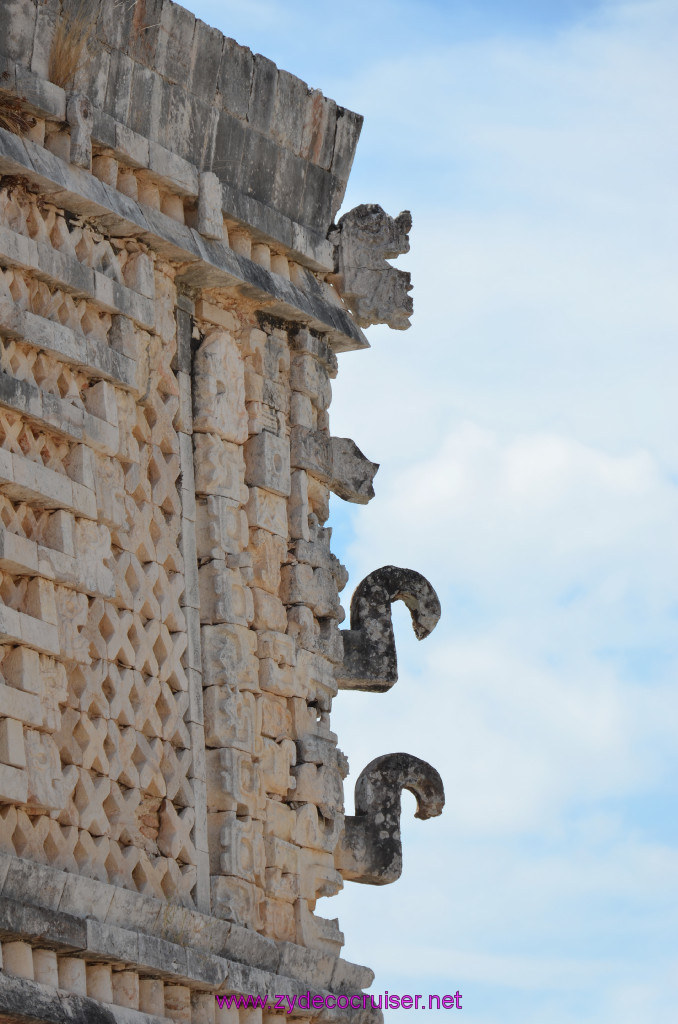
235	78
119	86
262	96
208	45
48	928
370	851
228	148
260	162
370	661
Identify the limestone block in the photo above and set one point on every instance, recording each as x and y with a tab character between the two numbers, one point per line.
12	743
229	656
316	675
280	820
105	168
90	796
203	1008
267	463
17	959
110	491
123	338
303	628
237	900
214	314
43	772
311	450
221	527
72	975
210	217
17	555
279	919
232	718
316	832
318	932
268	552
152	996
320	785
280	679
261	254
276	768
80	118
126	989
219	467
219	388
318	500
267	511
21	669
278	646
309	377
317	875
237	847
376	292
234	782
280	265
301	411
304	341
276	719
25	707
172	205
139	274
178	1003
100	982
45	967
223	598
269	611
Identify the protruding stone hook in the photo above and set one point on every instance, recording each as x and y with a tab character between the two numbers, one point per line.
370	849
370	660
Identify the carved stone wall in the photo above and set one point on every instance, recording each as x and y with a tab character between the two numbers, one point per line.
171	791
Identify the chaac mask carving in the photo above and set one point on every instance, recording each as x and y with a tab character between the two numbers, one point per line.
376	293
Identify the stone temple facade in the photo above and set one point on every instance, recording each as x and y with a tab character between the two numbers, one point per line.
174	294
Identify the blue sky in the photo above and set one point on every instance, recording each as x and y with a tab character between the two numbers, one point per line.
526	430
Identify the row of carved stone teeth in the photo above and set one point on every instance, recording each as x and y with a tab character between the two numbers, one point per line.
124	987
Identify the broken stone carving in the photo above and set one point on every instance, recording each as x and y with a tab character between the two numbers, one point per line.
352	473
377	293
370	661
370	850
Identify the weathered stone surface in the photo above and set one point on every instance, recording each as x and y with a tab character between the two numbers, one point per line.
370	850
377	293
370	661
352	473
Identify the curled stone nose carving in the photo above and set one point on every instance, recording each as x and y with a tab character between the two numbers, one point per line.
370	661
370	850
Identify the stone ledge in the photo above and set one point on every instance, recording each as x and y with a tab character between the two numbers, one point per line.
90	356
200	945
68	273
43	98
208	264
